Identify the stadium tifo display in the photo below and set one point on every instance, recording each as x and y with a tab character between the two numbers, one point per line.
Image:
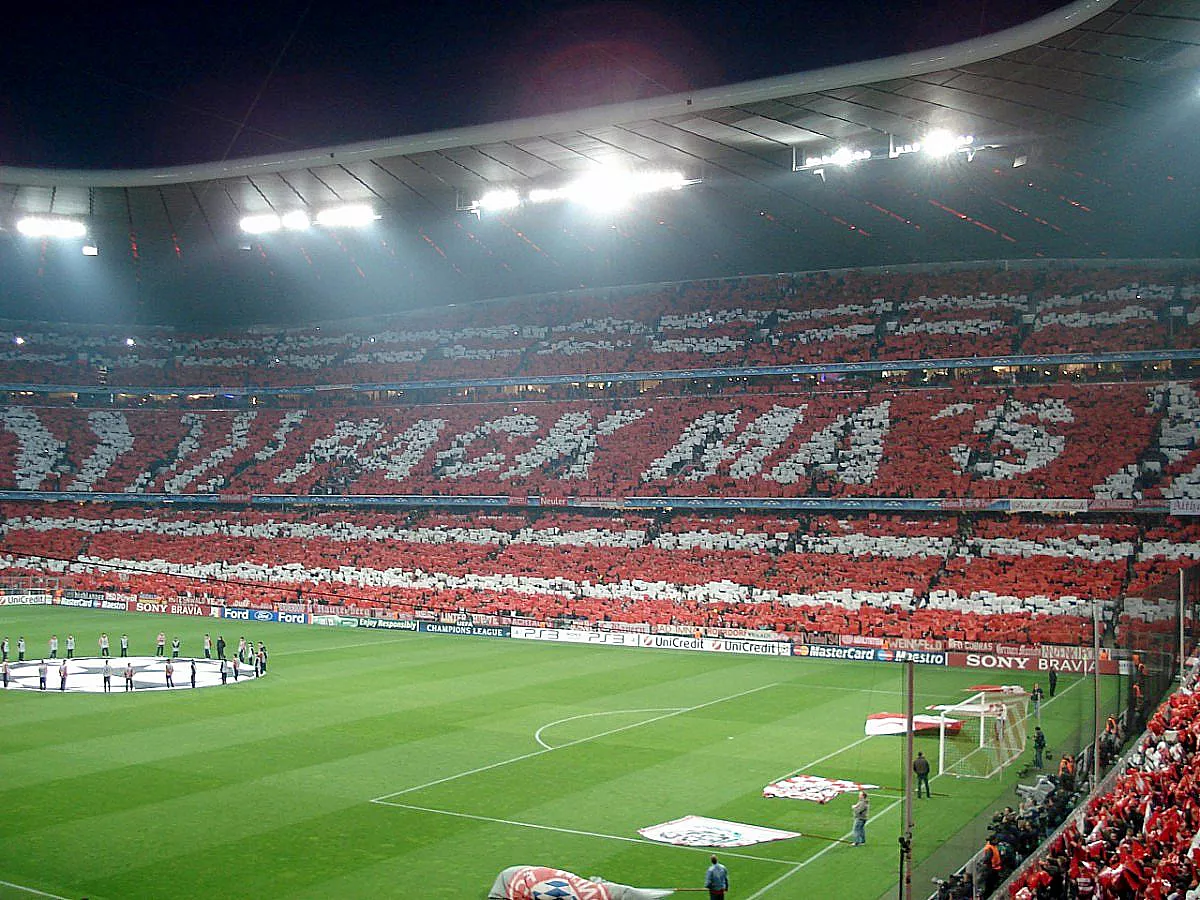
1031	442
85	675
890	520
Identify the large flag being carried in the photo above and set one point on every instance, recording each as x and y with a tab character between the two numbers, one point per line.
814	788
542	883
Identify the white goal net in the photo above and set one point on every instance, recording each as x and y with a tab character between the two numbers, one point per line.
984	733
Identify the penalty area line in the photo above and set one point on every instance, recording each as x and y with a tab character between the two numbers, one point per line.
584	740
579	832
762	892
34	891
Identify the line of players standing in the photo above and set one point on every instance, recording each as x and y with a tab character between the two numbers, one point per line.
247	654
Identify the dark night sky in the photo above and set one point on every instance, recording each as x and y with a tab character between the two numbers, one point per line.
132	85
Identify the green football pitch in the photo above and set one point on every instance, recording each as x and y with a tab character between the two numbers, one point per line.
371	764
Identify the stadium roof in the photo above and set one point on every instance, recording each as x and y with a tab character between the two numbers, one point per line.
1084	123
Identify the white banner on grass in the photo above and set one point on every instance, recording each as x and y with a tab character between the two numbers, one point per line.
814	788
698	831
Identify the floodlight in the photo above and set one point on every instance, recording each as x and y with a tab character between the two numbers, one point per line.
19	341
498	200
613	188
261	224
90	250
129	342
353	216
296	220
843	156
941	143
51	227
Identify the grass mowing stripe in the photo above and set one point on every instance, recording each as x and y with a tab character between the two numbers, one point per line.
34	891
623	838
272	778
575	831
827	756
762	892
594	737
537	735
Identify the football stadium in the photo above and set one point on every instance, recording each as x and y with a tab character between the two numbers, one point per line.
778	488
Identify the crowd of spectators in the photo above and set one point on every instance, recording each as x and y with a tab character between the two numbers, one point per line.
873	575
752	321
1137	839
1088	441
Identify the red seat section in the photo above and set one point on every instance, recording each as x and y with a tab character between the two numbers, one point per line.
1012	579
1066	441
760	320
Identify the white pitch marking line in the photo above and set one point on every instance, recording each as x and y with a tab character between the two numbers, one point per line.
595	834
817	762
34	891
762	892
537	736
595	737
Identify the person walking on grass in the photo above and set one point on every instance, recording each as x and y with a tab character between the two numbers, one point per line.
716	879
862	811
1039	746
1052	677
1036	696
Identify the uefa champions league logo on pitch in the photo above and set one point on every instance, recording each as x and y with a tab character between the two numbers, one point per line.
85	675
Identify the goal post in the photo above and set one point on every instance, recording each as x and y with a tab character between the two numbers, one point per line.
979	736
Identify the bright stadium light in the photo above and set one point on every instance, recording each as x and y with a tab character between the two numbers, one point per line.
51	227
843	156
940	143
19	341
296	220
602	188
90	250
614	188
261	224
499	200
353	216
